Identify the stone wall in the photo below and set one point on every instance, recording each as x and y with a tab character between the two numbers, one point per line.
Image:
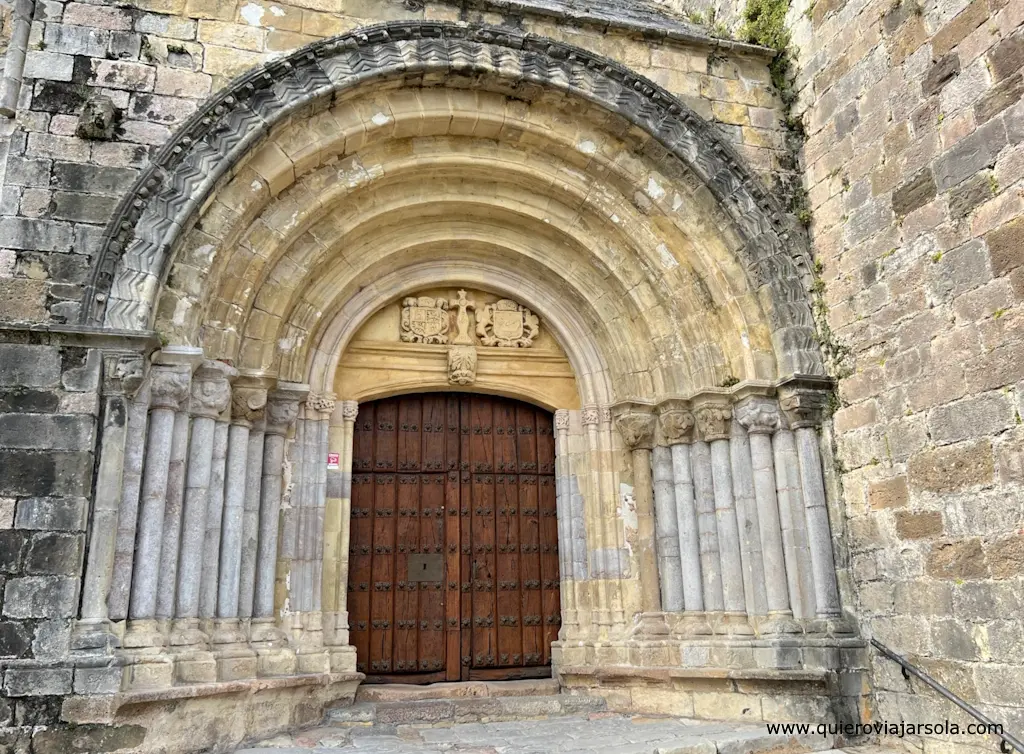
49	402
913	165
156	60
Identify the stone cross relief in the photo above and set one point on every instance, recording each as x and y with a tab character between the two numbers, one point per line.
504	323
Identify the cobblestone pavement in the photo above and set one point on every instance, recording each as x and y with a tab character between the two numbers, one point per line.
596	732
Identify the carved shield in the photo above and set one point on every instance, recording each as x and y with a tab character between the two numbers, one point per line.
427	323
508	325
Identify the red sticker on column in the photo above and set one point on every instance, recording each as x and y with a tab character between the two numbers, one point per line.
333	460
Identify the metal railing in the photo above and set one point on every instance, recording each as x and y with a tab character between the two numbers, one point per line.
1007	741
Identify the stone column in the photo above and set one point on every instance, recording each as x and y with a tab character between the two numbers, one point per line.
803	407
570	618
675	422
251	511
714	421
794	524
666	528
595	561
122	377
234	657
169	388
635	422
268	639
707	527
211	395
337	518
214	516
128	511
754	589
312	657
760	417
614	556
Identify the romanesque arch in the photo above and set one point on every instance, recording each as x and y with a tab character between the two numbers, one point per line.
365	169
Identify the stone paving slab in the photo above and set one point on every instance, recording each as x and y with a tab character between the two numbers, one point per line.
575	734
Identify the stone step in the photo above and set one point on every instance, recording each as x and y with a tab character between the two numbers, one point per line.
463	709
400	692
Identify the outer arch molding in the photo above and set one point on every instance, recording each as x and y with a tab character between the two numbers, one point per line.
151	218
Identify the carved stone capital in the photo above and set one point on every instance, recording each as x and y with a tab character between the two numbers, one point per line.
635	422
760	416
675	420
211	389
590	416
282	411
713	420
123	373
169	385
321	403
248	405
562	420
349	410
803	406
605	413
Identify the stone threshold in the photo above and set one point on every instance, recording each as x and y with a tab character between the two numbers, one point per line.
103	708
666	674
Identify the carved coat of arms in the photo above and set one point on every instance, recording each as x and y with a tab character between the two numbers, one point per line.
425	320
507	324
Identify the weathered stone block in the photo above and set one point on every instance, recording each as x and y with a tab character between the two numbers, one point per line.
958	560
941	72
37	473
52	513
915	193
88	738
970	154
12	549
1006	246
1007	57
919	525
37	681
40	597
952	468
53	553
35	235
98	680
44	432
1006	557
998	98
15	640
888	493
970	194
971	418
22	300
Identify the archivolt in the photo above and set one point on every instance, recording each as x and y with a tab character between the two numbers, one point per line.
282	277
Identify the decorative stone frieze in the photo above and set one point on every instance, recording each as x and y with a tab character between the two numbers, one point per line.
170	386
589	416
507	324
248	405
282	411
321	404
676	422
425	320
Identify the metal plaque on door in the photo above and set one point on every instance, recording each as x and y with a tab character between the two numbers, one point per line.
426	568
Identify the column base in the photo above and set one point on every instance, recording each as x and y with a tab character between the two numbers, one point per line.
234	658
146	671
94	634
736	624
778	623
313	660
690	623
343	659
199	666
143	633
651	624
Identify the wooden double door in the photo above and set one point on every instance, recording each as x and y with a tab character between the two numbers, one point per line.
453	558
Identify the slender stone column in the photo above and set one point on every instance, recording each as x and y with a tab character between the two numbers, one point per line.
570	618
635	422
291	545
211	395
214	516
251	519
312	658
339	509
169	550
793	522
597	558
751	558
707	526
234	658
169	388
614	557
666	527
714	421
122	376
803	407
675	422
128	511
760	417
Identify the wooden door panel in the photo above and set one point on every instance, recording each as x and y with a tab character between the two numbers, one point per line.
468	479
